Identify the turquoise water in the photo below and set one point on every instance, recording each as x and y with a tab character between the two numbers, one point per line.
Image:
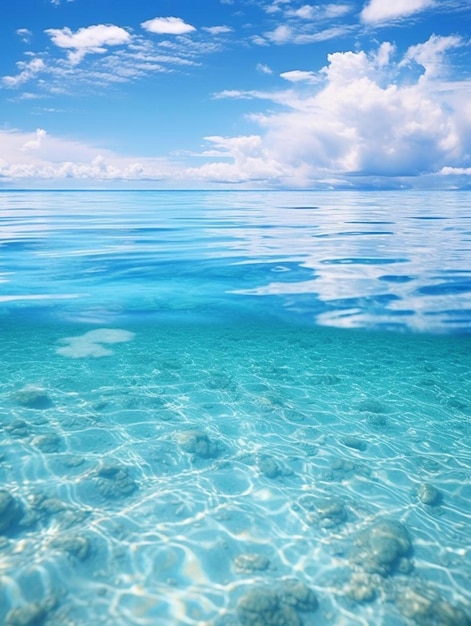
235	408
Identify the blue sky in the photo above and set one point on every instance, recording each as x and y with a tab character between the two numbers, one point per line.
274	94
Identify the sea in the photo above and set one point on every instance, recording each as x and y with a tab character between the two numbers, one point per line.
235	408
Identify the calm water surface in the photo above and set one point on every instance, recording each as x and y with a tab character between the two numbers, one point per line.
235	408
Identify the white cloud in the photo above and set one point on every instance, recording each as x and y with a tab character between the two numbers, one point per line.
167	26
92	39
282	34
28	71
377	11
25	34
40	155
140	57
365	114
300	34
298	76
460	171
306	12
263	69
275	6
251	161
217	30
431	54
35	144
337	10
329	11
358	120
385	52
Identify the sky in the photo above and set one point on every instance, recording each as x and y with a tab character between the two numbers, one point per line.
235	94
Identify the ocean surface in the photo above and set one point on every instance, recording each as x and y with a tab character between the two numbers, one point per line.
235	408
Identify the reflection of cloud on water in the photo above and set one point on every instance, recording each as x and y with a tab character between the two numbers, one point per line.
352	259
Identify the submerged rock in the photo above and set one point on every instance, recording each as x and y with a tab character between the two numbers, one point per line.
10	511
371	405
382	548
361	588
276	607
74	545
354	442
271	467
249	562
32	397
18	429
198	443
32	614
427	608
42	505
49	442
331	512
113	481
297	594
262	607
428	494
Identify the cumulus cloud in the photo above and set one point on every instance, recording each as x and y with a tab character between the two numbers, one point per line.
431	54
251	161
167	26
92	39
358	120
377	11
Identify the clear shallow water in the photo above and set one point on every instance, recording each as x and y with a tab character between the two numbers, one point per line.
189	421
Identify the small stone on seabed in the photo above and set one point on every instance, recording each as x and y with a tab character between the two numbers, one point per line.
49	442
297	594
248	562
113	481
198	443
32	614
361	588
18	429
10	511
272	468
75	545
261	607
276	607
426	608
428	494
32	397
331	512
382	548
353	442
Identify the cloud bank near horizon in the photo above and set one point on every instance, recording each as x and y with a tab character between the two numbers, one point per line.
362	114
394	113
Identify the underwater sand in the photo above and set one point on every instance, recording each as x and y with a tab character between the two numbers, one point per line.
222	460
